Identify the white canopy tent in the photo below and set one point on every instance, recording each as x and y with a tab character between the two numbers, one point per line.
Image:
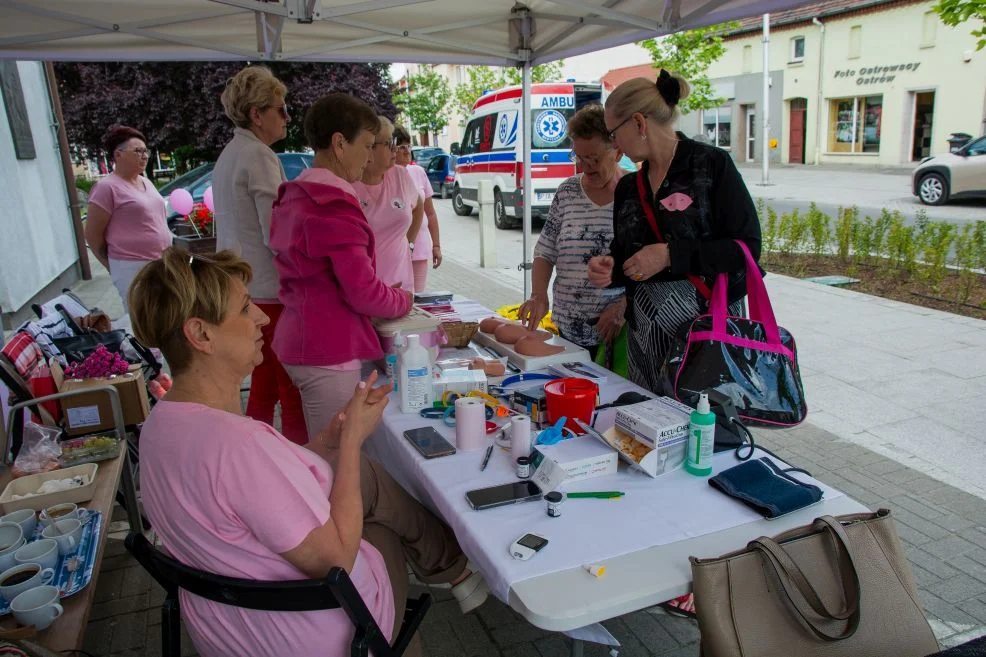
492	32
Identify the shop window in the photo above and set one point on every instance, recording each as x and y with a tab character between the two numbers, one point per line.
717	125
747	59
929	28
797	49
854	124
855	41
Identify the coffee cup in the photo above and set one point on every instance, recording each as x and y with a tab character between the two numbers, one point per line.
43	552
59	512
11	538
66	533
26	518
38	606
18	579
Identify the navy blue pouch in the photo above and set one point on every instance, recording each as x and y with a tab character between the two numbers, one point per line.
765	488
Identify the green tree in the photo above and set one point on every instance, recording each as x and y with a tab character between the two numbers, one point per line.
954	12
425	102
689	54
485	78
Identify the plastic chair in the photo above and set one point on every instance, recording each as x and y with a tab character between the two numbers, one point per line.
335	591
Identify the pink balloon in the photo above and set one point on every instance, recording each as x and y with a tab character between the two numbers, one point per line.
181	201
207	199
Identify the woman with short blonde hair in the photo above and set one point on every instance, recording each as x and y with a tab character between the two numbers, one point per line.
244	186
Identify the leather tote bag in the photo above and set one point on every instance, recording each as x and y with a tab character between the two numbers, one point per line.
751	360
840	586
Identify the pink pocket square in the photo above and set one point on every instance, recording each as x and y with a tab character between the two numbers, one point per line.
676	201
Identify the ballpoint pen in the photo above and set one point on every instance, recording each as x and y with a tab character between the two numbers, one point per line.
601	494
486	460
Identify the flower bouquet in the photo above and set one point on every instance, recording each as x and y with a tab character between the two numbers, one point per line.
197	233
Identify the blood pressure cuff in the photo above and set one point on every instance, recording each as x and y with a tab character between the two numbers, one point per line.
765	488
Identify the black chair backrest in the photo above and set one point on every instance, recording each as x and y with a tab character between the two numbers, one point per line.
335	591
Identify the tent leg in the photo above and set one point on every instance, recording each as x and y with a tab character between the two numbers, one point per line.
528	192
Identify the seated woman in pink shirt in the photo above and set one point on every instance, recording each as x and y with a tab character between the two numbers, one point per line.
393	206
230	495
126	223
332	282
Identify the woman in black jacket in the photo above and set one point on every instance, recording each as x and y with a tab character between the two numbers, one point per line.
699	206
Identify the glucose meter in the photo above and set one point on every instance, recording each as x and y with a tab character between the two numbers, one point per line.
527	546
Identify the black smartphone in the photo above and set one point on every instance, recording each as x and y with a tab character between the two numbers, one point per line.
512	493
429	442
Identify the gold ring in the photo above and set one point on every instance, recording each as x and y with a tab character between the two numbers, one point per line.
637	277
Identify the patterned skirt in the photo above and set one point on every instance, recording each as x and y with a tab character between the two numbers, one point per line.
656	312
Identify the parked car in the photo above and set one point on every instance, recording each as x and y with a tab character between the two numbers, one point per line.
199	179
950	176
441	174
421	155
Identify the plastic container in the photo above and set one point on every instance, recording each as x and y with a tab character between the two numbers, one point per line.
424	324
572	398
701	439
31	483
88	450
416	388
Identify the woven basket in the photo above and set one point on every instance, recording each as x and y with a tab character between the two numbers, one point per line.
459	333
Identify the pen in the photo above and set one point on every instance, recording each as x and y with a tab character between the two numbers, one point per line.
601	495
486	460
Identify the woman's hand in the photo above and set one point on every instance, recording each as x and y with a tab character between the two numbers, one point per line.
601	271
436	256
648	261
533	311
611	320
363	412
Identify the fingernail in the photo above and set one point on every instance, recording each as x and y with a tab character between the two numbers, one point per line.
362	384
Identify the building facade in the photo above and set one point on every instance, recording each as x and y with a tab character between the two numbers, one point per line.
455	74
881	83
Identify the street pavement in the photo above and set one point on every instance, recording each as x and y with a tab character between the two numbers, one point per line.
896	410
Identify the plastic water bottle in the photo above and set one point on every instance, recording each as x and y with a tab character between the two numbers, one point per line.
701	439
416	386
391	362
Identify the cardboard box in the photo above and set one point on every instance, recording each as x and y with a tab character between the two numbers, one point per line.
655	422
461	381
652	462
571	460
92	412
531	402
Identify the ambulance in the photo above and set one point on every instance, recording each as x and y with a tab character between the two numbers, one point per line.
491	148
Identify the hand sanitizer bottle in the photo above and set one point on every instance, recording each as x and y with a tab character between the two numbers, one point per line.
701	439
416	385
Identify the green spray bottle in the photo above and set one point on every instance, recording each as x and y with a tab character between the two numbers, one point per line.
701	438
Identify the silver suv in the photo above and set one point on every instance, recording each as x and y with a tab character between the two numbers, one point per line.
951	176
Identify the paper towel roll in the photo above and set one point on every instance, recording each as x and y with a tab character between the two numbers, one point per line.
520	436
470	424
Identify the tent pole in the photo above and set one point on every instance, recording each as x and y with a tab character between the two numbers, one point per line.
528	193
765	112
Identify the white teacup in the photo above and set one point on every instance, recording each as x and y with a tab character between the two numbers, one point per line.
11	538
26	518
66	533
43	552
36	576
60	512
38	606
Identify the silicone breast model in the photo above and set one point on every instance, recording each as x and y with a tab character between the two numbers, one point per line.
510	333
490	367
533	345
490	324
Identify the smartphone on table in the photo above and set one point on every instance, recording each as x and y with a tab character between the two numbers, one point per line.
429	443
512	493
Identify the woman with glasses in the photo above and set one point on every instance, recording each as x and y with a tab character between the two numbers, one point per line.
393	207
427	249
325	257
126	223
244	186
579	227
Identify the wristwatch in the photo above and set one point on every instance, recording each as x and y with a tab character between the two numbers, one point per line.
411	246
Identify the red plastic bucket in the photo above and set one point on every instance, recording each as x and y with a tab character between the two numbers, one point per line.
571	398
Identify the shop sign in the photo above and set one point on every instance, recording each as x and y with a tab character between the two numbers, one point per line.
876	74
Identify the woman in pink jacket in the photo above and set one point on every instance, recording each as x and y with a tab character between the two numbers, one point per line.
325	260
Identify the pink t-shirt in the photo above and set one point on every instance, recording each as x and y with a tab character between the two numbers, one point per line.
422	243
227	494
138	227
388	207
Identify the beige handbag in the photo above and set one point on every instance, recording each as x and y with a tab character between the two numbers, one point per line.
840	586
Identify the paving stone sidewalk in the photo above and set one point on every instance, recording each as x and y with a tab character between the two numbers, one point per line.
942	527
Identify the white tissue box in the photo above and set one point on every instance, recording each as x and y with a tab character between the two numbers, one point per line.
571	460
459	381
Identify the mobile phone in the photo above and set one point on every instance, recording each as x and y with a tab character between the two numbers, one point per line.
429	442
512	493
527	546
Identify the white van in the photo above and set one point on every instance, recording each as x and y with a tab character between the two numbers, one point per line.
490	149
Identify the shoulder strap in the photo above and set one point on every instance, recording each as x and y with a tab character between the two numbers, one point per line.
699	284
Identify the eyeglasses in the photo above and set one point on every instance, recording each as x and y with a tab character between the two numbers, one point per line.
281	109
612	133
391	143
406	148
141	152
591	161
